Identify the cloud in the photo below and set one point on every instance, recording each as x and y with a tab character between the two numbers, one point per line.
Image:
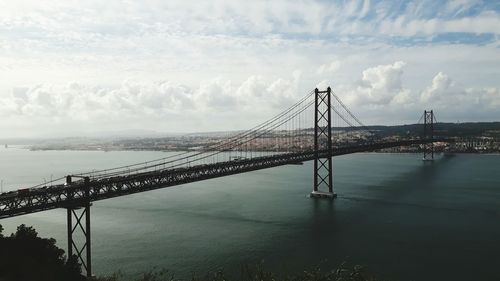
329	68
142	104
445	93
487	22
380	86
221	104
173	62
381	93
442	87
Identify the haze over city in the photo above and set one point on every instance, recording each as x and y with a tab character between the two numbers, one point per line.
73	68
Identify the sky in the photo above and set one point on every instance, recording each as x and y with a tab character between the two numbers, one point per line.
70	68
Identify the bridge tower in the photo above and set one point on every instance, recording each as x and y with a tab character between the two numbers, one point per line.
323	168
428	134
79	209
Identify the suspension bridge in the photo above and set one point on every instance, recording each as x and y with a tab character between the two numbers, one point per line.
316	128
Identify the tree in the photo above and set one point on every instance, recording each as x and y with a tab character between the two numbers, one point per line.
26	257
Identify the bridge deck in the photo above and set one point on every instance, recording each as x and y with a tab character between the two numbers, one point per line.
62	196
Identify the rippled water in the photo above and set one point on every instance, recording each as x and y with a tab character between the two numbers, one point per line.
402	218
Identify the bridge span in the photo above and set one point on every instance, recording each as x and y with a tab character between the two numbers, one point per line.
289	137
77	193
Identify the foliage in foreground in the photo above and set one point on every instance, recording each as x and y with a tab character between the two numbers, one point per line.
343	273
26	257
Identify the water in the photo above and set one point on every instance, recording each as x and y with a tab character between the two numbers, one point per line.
402	218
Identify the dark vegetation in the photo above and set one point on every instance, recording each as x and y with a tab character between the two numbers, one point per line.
343	273
26	257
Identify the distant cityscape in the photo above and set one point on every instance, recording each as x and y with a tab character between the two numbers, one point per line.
468	138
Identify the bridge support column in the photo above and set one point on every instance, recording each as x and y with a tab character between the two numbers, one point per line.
78	216
428	134
323	168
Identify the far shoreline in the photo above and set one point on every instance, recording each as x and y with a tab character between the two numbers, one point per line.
30	148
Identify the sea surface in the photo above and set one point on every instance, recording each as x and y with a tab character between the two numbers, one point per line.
402	218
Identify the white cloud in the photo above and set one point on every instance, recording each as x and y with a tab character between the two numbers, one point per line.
445	93
487	22
132	103
381	92
379	86
329	68
365	9
220	104
441	87
229	58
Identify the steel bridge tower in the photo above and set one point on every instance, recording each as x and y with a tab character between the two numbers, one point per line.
428	134
323	168
79	210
